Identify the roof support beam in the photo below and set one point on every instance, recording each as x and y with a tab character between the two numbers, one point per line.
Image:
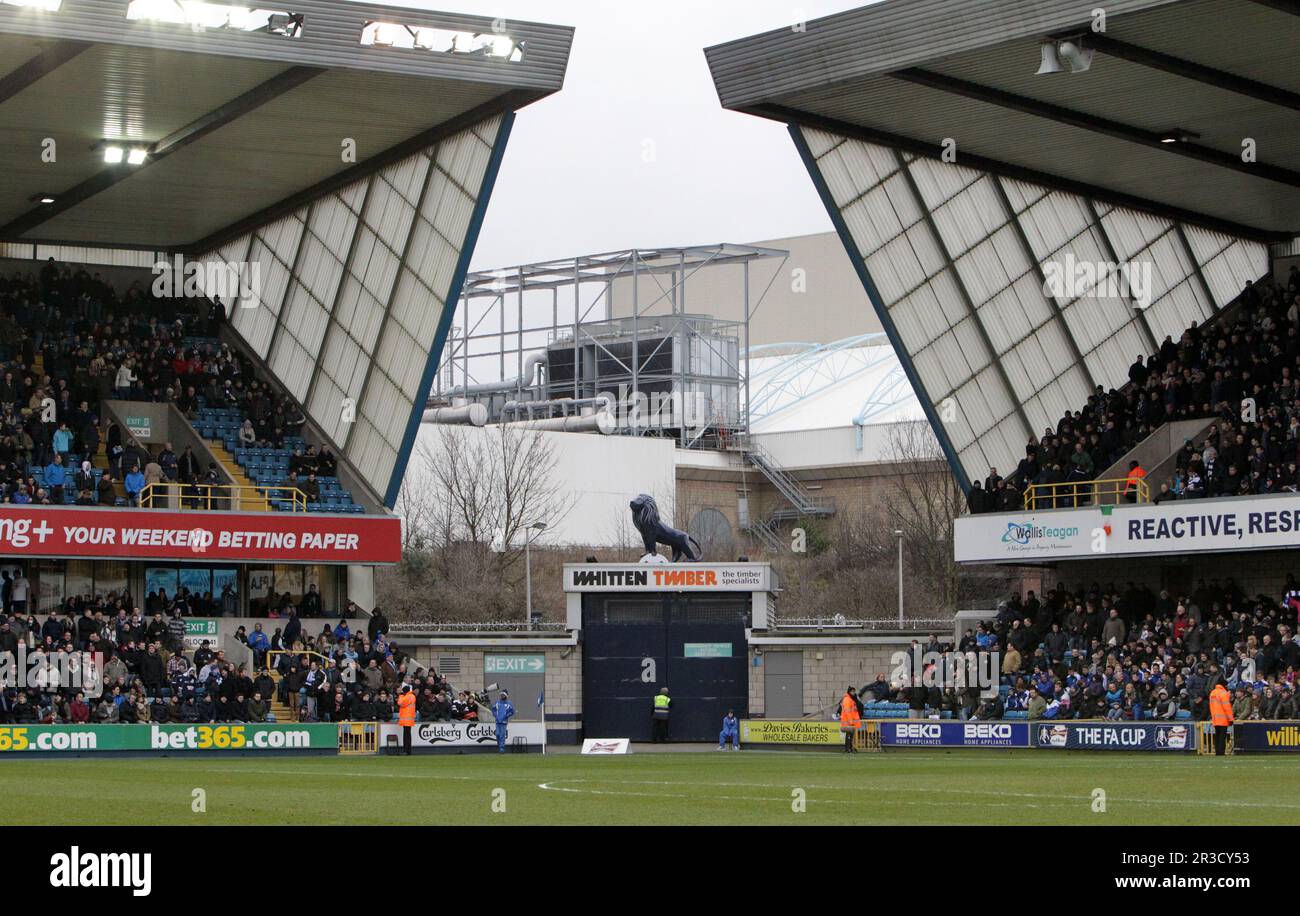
1114	259
1021	173
331	321
1014	221
1187	69
878	304
385	323
1084	121
994	356
256	97
1196	268
46	62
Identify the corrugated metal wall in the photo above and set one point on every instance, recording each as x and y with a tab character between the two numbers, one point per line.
964	287
352	290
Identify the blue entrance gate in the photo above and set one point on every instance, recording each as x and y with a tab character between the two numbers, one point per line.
635	644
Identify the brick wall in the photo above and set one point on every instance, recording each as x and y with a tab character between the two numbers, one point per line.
828	668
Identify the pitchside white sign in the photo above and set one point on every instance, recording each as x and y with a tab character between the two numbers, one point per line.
667	577
1183	526
463	734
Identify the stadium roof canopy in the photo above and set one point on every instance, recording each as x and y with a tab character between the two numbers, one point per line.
346	150
960	180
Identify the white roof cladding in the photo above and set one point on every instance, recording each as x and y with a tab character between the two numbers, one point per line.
350	309
955	262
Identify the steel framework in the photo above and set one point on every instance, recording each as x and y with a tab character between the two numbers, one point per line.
507	314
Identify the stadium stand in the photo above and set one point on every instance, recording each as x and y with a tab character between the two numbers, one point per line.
67	335
334	676
1237	372
1107	653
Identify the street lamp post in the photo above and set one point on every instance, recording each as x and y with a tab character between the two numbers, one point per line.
899	534
539	527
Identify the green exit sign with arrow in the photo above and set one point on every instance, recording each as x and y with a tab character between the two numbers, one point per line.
514	664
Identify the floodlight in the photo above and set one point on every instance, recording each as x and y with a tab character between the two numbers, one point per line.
1058	55
137	156
1075	55
113	154
1051	63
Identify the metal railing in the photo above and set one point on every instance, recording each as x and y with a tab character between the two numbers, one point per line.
272	654
228	497
358	737
942	624
1069	494
804	503
500	626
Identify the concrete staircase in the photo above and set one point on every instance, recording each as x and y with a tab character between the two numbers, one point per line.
246	502
1158	454
281	712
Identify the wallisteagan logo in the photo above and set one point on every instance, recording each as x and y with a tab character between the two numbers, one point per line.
1024	532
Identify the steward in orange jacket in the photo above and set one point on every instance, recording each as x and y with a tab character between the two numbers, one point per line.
1132	482
406	716
1220	717
850	718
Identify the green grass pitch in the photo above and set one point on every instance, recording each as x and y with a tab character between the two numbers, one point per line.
750	787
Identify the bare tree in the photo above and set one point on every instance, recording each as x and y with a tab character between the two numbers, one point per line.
923	502
473	495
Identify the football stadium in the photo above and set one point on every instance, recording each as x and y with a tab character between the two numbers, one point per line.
979	507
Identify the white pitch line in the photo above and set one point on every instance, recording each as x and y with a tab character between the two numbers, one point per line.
910	790
763	798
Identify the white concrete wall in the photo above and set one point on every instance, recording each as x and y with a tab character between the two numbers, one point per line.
599	476
815	448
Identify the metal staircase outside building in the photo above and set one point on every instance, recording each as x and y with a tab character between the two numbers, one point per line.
800	503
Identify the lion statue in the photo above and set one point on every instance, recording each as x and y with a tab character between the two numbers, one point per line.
645	515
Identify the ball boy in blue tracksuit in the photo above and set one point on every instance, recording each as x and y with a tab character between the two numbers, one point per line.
502	711
730	731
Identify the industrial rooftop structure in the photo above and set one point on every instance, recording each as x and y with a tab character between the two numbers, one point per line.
236	135
967	155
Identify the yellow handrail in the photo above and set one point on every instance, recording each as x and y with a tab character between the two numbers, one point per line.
1072	493
232	497
269	664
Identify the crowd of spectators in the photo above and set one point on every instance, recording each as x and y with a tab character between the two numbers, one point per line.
1130	654
148	674
96	344
1239	371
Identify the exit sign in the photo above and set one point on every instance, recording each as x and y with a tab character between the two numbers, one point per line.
514	664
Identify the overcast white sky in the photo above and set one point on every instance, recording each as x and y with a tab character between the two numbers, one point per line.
576	179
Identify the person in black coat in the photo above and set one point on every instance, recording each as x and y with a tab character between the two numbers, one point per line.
152	674
292	629
916	698
378	624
